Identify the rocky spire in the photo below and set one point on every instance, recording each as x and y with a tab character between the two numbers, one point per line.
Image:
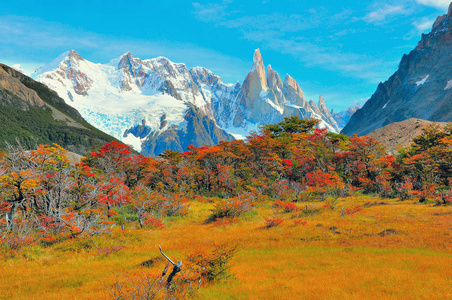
258	69
314	107
257	58
293	92
323	108
273	79
321	102
450	10
255	82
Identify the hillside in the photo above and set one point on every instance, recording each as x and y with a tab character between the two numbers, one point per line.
34	114
420	88
400	134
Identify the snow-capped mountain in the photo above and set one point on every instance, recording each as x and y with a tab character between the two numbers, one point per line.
264	99
155	104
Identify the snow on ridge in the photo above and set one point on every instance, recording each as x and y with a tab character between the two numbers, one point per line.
448	85
421	82
106	106
116	99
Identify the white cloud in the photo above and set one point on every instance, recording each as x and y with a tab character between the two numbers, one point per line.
424	24
382	14
34	34
435	3
276	31
211	12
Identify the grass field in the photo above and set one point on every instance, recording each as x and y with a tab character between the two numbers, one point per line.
385	249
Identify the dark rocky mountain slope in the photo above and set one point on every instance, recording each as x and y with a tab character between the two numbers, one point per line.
420	88
33	113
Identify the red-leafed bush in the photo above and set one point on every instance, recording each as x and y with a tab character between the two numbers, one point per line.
351	210
154	222
285	206
272	222
299	222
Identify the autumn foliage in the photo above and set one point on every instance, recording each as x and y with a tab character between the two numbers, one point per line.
46	198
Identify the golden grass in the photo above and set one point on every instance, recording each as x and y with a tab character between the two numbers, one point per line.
399	250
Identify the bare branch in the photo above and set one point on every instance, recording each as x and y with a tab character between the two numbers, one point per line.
166	256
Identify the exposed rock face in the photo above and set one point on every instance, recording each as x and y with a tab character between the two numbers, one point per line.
420	88
151	103
200	130
325	112
254	86
293	92
30	110
400	134
265	99
11	88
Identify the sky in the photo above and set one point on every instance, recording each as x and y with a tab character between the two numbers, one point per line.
338	49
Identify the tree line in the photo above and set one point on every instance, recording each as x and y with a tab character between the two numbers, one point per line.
45	198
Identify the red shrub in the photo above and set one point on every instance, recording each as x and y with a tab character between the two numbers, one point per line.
286	206
299	222
154	222
351	210
272	222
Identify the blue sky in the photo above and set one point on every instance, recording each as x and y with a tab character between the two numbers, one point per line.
338	49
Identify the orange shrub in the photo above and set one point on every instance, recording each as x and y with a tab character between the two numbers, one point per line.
231	208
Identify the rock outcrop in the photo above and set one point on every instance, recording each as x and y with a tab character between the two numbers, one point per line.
12	89
266	99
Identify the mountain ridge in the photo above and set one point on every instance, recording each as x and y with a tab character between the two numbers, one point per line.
32	113
420	88
122	95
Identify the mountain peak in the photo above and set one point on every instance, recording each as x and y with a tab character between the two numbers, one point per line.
273	79
394	100
74	55
128	55
449	12
257	58
126	61
289	81
288	78
321	102
256	80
